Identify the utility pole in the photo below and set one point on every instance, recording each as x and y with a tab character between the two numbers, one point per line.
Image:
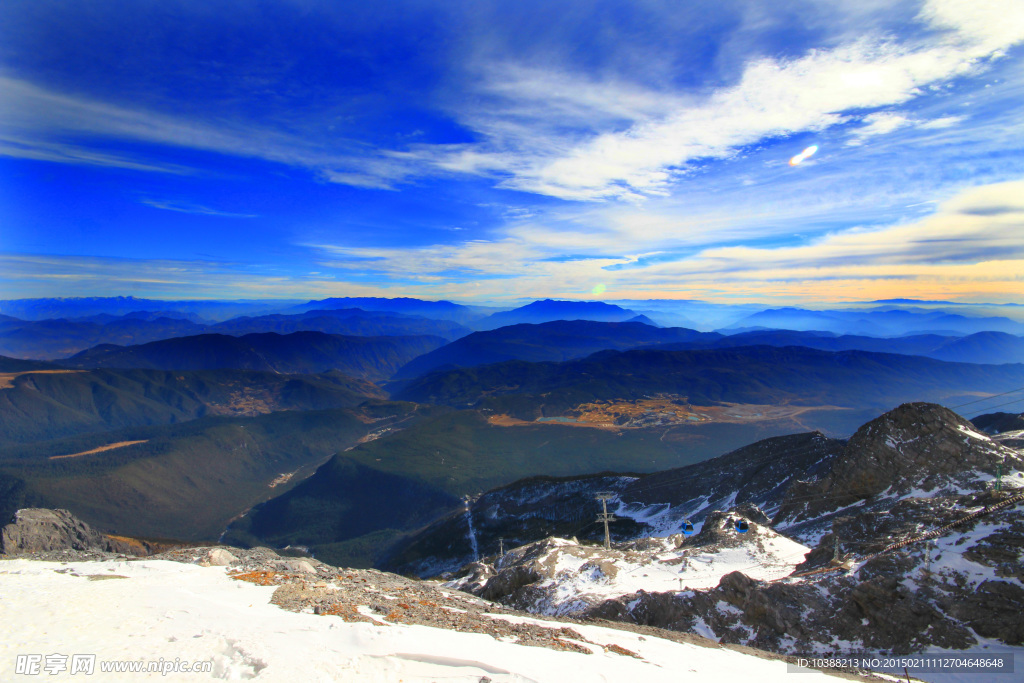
999	476
835	543
605	517
501	547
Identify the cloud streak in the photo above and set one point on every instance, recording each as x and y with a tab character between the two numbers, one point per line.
556	132
668	133
970	244
968	249
188	207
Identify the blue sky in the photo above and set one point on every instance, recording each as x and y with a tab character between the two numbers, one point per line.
485	151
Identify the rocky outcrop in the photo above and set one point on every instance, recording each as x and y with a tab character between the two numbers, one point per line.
36	530
994	611
998	423
40	530
759	473
917	446
719	528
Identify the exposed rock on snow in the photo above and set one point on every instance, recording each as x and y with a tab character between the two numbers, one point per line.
37	530
759	473
915	447
359	625
557	576
219	557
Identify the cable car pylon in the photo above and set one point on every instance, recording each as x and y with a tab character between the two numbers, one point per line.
605	517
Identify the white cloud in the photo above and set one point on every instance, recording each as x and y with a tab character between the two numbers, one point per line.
942	122
553	131
590	140
36	123
981	225
879	123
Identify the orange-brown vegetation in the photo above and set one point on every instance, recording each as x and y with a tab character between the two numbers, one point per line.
7	378
662	411
621	651
247	402
260	578
348	613
137	546
108	447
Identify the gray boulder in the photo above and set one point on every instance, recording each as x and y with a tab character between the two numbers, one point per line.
219	557
36	530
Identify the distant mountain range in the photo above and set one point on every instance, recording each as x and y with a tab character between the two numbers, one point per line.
372	358
46	329
347	321
60	338
549	310
981	347
565	340
436	310
550	341
880	322
78	307
751	374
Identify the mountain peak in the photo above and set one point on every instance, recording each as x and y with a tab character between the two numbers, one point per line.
914	447
548	310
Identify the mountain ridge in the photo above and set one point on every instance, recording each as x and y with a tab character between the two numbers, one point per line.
298	352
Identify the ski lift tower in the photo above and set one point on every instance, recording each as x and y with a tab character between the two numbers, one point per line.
605	517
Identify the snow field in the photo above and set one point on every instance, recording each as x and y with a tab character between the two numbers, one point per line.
159	609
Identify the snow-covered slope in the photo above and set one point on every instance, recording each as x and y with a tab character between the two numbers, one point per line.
572	579
160	611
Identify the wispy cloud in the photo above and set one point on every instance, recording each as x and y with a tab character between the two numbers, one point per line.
666	133
62	153
551	130
33	275
40	123
188	207
971	243
968	249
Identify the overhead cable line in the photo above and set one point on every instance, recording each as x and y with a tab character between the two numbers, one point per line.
987	398
999	406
